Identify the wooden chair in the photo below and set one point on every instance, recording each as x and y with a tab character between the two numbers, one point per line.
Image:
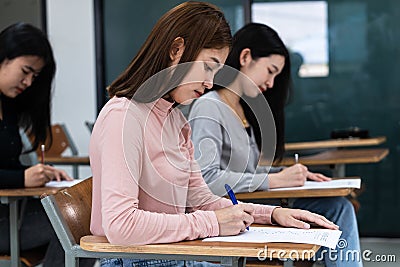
61	141
69	212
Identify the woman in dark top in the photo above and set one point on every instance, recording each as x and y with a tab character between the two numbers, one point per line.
27	69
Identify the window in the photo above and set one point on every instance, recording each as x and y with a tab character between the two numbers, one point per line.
303	27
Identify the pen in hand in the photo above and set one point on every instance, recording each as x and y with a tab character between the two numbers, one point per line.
296	158
232	196
42	154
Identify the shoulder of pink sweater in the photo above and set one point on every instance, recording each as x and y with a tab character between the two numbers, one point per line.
123	106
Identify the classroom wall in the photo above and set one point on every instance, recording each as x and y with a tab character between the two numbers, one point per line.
70	26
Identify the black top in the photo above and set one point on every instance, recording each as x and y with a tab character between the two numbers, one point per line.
11	169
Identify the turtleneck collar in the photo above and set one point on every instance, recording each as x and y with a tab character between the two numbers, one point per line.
161	106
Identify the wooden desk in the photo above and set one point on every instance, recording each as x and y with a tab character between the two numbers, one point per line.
11	197
210	251
337	158
335	143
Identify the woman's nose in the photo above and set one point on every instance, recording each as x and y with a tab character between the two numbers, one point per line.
270	83
209	81
208	84
28	80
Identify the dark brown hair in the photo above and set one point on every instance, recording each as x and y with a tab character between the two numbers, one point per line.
263	41
201	25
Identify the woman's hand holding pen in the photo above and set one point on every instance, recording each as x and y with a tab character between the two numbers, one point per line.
40	174
295	175
300	219
234	219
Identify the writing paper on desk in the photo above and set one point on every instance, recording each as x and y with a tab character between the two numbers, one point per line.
337	183
324	237
63	183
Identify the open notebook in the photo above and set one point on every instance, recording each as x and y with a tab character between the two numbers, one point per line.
63	183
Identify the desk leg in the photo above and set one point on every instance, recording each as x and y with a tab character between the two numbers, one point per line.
14	233
339	170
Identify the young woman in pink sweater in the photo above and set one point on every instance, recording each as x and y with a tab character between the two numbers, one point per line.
147	187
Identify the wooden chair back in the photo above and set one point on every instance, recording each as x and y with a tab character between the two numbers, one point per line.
61	141
74	204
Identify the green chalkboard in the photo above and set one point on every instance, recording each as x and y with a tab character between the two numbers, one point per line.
362	89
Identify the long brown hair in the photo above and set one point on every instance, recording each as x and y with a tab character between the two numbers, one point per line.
201	25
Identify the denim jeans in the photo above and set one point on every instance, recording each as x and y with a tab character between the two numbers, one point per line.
340	211
105	262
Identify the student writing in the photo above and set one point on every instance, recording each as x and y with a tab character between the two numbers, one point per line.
147	187
227	130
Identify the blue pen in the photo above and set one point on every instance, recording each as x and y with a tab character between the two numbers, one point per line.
232	196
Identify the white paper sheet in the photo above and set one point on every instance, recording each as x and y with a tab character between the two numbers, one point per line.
337	183
324	237
63	183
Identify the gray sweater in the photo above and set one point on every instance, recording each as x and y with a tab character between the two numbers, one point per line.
226	153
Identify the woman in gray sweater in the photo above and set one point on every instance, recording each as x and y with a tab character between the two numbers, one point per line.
247	104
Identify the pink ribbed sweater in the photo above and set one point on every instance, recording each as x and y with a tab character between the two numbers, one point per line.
147	188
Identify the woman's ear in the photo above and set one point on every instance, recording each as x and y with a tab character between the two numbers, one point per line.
176	51
245	57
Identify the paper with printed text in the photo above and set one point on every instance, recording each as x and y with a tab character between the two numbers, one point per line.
324	237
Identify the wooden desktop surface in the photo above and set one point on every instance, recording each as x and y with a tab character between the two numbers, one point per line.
333	157
29	191
198	247
335	143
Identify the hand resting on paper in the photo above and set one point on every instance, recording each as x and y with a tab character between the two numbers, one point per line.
295	175
234	219
39	174
300	219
